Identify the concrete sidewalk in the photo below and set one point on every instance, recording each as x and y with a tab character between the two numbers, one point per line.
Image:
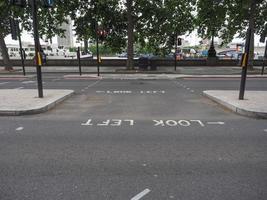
253	105
26	101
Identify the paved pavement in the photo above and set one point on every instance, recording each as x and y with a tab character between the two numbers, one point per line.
26	101
134	139
253	105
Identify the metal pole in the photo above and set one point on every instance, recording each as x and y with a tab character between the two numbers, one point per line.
175	57
264	59
21	50
37	48
97	51
79	60
244	65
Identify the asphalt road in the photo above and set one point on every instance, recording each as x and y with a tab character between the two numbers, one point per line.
134	139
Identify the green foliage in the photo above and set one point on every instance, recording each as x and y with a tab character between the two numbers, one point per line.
103	50
104	14
158	23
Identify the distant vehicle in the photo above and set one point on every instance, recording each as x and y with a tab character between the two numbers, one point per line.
86	55
230	54
74	54
125	55
122	55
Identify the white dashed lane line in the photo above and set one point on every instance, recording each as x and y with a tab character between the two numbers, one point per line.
141	194
18	88
28	82
265	130
3	83
19	128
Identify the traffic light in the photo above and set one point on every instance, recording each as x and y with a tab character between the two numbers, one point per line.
21	3
179	42
14	29
48	3
102	34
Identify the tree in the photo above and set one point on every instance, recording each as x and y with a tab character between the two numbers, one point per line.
240	16
211	15
49	22
161	22
104	14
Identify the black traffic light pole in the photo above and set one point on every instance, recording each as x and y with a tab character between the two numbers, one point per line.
38	58
21	50
97	49
244	64
176	47
264	59
79	60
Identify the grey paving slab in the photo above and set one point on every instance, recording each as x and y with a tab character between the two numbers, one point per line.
253	105
26	101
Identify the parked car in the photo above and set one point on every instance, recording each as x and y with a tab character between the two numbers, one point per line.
230	54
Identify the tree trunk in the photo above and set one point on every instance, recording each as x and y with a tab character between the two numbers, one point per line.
252	27
7	63
130	34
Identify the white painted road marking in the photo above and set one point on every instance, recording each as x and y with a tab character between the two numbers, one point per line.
26	82
109	122
141	194
265	130
3	83
131	92
19	128
182	122
215	123
156	122
18	88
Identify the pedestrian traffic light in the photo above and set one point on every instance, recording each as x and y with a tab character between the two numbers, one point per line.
21	3
48	3
179	42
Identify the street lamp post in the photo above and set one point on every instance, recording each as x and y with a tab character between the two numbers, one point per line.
212	51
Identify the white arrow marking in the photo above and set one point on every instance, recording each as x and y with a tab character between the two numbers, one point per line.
214	123
141	194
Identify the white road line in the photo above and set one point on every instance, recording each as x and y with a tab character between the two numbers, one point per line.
26	82
18	88
57	79
265	130
192	91
214	123
3	83
141	194
91	85
19	128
